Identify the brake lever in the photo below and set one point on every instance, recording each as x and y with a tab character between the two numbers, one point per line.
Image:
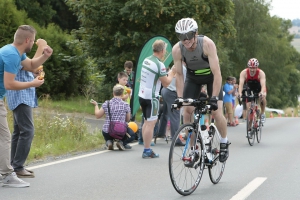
173	106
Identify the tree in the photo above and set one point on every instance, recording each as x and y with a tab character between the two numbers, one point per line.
65	69
45	12
266	38
115	32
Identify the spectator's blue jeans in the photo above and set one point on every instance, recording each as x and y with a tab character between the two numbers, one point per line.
125	139
22	136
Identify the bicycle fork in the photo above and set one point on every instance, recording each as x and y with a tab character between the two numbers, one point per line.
254	119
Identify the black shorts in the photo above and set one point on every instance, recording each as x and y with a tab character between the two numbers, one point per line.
150	108
193	85
249	90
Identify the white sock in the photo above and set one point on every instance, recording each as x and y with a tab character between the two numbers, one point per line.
223	140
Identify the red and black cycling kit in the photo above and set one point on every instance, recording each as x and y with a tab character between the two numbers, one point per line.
253	82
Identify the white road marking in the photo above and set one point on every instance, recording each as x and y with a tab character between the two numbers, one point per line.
248	189
70	159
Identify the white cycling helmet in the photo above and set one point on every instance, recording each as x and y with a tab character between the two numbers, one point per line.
186	25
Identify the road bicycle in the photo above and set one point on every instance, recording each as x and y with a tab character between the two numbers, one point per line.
201	150
253	121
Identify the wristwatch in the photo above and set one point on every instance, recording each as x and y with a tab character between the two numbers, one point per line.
215	97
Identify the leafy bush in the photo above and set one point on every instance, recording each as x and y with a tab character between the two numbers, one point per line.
65	69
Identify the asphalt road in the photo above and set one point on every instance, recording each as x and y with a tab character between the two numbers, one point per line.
269	170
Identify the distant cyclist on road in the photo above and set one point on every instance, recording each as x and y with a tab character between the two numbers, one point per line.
254	79
202	63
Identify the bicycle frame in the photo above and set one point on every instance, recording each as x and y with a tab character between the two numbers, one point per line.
253	113
190	132
201	133
186	146
253	110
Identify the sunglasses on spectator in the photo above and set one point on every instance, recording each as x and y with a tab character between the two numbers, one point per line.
185	36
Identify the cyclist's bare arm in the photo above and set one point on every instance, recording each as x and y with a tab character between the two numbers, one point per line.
176	53
262	79
210	50
166	80
241	81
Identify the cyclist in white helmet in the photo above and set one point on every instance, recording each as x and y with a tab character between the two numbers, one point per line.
202	63
254	79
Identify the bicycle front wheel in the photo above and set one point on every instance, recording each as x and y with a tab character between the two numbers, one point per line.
216	168
250	129
259	131
185	179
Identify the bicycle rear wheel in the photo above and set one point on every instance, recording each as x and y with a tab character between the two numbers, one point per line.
259	131
250	126
185	179
216	168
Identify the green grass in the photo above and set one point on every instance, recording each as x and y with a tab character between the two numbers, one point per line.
296	44
73	105
56	135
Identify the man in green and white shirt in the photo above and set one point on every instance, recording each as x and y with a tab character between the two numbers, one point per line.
153	74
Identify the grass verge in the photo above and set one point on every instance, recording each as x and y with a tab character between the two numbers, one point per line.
57	135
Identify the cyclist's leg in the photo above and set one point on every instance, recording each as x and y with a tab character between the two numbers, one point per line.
218	114
221	125
191	90
220	120
244	109
263	103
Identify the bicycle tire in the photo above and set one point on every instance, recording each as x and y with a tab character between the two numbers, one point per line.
259	131
216	168
185	180
250	126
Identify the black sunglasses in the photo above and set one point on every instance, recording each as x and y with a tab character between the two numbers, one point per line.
185	36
